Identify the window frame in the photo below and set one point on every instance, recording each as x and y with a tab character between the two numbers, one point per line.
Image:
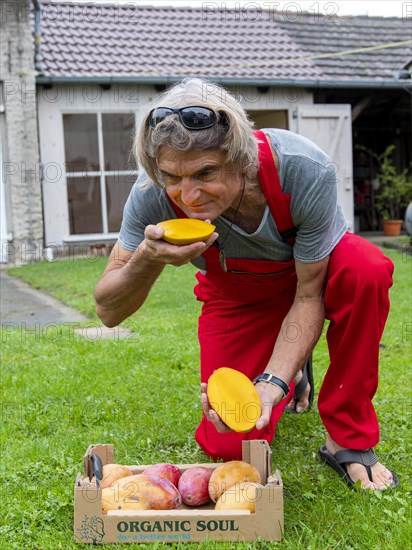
104	235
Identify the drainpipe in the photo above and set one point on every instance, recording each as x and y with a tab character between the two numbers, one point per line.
39	69
37	36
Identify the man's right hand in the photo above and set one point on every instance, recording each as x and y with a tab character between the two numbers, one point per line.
155	249
129	276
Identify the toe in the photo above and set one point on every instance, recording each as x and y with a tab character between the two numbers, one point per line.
357	472
372	486
383	479
381	476
291	406
303	403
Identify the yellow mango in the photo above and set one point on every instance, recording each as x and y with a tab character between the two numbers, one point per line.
111	473
228	474
159	492
242	496
116	498
234	398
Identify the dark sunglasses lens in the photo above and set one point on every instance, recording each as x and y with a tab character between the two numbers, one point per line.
157	115
196	118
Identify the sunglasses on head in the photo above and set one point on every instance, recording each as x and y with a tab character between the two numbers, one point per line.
192	118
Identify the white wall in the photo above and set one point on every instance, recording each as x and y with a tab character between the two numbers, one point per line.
89	98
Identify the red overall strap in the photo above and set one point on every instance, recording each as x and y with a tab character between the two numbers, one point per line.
278	202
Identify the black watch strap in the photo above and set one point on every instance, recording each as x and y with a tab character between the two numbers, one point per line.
272	379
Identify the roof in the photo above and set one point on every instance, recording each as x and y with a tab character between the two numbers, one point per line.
377	46
129	41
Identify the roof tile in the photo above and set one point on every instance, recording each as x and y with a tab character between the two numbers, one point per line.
99	39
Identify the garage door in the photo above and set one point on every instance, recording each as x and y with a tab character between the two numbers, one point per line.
330	127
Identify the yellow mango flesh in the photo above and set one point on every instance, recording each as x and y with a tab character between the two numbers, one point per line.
234	398
186	230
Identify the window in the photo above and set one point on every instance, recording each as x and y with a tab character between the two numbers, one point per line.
100	169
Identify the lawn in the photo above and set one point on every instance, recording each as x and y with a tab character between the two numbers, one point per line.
62	392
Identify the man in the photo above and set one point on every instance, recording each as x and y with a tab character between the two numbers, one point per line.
280	262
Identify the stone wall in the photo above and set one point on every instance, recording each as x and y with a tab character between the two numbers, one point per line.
21	173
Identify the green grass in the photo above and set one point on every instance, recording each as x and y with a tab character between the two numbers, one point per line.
61	393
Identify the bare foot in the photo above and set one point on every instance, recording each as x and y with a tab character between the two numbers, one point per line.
303	403
381	476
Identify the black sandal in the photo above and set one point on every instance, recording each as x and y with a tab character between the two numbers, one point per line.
339	460
307	378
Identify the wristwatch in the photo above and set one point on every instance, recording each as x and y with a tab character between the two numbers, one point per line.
272	379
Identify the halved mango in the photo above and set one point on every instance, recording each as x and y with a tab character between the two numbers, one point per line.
241	496
234	398
186	230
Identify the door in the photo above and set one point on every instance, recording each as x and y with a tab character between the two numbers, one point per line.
330	127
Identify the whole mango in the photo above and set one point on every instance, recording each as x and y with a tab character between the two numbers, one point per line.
159	492
122	499
228	474
111	473
194	486
241	496
166	470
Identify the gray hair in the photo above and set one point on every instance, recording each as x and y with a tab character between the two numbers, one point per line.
236	140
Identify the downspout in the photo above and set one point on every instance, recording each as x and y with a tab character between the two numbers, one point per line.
39	69
37	37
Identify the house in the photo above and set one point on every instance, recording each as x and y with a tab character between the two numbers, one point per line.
340	81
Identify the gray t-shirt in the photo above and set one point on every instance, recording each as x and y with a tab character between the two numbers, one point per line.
306	173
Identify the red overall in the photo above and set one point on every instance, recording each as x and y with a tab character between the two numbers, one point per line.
243	310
